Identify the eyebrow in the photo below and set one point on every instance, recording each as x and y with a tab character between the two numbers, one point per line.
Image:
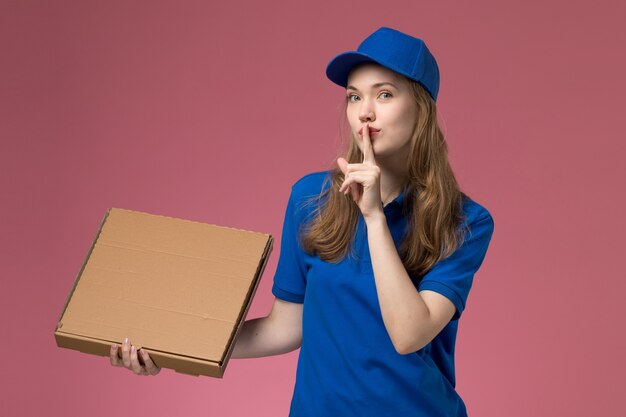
351	87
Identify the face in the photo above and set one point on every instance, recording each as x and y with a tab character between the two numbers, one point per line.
381	98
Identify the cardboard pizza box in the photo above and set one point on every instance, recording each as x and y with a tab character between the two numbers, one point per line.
178	289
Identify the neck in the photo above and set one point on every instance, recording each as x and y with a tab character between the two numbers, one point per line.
392	180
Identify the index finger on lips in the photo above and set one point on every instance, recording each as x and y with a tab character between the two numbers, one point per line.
368	152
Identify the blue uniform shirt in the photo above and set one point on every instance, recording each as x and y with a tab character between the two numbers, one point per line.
347	364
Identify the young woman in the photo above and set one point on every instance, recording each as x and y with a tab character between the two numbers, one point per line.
377	254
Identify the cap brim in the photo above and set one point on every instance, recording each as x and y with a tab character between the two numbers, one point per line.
340	66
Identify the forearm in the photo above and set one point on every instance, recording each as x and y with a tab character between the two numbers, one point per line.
402	307
263	337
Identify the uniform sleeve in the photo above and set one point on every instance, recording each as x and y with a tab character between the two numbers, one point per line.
290	276
453	276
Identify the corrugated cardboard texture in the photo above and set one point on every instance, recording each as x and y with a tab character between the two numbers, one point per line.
177	288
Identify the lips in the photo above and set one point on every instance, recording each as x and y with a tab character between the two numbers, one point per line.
371	130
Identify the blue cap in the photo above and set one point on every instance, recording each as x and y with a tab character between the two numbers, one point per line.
394	50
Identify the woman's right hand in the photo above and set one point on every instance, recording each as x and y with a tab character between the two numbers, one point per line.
126	356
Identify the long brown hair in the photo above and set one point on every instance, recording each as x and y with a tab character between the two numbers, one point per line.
433	200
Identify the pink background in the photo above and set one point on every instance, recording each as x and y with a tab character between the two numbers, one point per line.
211	111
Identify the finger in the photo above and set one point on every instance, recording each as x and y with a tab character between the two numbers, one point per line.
361	177
356	196
353	186
351	169
357	167
343	164
353	189
357	182
350	188
151	368
134	362
345	186
126	353
115	359
347	168
368	152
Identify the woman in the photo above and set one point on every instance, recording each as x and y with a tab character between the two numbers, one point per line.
377	255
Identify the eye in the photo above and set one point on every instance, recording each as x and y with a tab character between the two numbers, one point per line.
353	97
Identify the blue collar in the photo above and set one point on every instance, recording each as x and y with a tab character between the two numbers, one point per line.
398	201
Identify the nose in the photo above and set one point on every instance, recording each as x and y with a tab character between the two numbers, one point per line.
366	114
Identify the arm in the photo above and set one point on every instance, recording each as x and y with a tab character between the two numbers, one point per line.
411	321
280	332
412	318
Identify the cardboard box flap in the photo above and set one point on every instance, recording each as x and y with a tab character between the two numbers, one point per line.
170	285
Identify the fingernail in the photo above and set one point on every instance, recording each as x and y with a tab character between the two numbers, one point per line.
134	349
126	341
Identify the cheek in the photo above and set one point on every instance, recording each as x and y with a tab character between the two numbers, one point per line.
353	120
407	122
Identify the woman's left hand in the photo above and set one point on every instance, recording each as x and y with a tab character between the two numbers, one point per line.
363	180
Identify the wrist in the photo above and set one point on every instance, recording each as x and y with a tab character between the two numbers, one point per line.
375	218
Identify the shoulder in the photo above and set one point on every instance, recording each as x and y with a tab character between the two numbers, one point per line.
311	184
476	215
302	200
